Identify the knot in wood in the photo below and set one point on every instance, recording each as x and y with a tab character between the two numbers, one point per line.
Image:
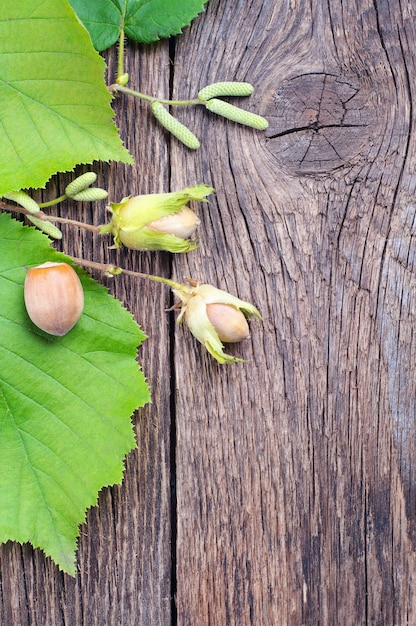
318	122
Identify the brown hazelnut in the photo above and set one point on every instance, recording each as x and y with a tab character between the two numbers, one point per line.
54	297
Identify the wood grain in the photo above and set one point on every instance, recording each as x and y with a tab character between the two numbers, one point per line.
124	556
280	491
295	486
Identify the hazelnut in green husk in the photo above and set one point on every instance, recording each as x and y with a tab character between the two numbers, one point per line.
156	221
215	317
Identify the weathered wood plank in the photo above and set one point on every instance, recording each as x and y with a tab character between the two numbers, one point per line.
124	553
294	472
296	492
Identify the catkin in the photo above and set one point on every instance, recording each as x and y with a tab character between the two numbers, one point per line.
177	129
91	194
236	114
46	227
22	198
225	89
80	183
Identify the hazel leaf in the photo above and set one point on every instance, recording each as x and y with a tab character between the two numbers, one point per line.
54	105
143	20
65	403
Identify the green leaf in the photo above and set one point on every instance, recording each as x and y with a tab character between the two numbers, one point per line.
65	403
144	20
54	105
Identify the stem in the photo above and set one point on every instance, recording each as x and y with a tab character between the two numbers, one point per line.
49	218
121	40
114	270
65	220
120	60
143	96
52	202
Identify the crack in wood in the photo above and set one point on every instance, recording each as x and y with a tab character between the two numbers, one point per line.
319	122
316	127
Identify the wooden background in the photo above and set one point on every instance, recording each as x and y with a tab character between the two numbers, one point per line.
281	491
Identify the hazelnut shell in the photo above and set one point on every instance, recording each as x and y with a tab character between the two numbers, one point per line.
229	322
54	297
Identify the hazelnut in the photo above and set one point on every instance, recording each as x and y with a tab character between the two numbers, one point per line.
229	322
54	297
181	224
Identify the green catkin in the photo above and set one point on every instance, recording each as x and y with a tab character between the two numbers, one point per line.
225	89
177	129
46	227
22	198
92	194
236	114
80	183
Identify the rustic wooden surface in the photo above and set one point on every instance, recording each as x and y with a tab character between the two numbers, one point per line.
280	491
